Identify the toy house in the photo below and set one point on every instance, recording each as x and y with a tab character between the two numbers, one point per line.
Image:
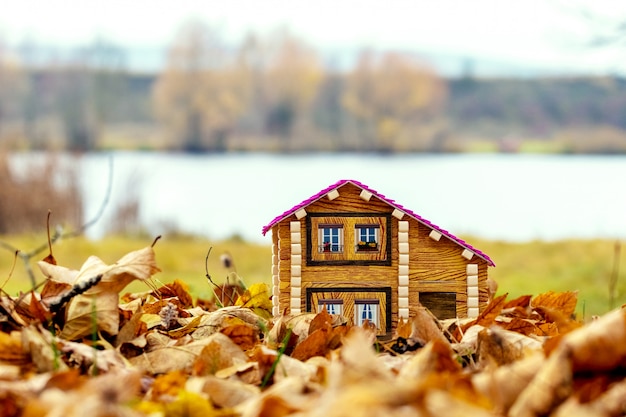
358	253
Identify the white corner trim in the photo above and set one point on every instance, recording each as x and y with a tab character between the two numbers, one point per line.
467	254
333	194
397	214
365	195
435	235
301	213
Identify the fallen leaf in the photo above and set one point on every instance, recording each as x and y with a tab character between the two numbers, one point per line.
564	302
179	290
218	352
548	388
258	299
244	335
100	302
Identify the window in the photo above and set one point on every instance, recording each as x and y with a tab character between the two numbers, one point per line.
331	238
366	310
367	238
332	306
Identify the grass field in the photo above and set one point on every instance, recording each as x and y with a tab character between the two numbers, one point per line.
531	268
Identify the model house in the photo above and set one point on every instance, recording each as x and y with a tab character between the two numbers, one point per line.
357	253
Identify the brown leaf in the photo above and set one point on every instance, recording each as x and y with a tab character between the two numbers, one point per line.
38	311
11	351
425	328
245	336
219	352
314	345
606	335
404	328
486	318
523	326
179	290
564	302
320	321
494	347
549	387
521	301
504	384
492	311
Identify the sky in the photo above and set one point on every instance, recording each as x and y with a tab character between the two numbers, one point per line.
529	36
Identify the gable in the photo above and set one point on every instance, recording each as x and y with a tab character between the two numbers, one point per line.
323	200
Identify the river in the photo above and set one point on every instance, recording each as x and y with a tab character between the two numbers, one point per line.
493	196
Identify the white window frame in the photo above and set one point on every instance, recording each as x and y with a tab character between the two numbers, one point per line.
357	234
338	244
367	309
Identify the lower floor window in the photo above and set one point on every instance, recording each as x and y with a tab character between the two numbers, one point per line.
332	306
366	310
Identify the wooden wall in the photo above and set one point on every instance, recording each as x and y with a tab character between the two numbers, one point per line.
434	266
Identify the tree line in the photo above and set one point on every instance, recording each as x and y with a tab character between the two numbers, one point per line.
276	93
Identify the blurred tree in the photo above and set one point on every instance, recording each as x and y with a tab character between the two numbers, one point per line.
89	89
202	92
390	93
292	81
13	84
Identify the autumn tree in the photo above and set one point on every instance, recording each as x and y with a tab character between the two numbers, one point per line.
202	91
292	80
389	94
13	84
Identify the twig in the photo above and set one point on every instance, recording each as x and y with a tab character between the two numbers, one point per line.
208	276
12	269
56	304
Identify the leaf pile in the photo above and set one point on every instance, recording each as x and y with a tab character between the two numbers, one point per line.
77	348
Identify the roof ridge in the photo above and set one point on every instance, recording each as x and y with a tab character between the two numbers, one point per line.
387	200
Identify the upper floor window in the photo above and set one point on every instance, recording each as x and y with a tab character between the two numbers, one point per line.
331	238
367	237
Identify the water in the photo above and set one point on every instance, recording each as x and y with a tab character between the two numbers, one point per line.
504	197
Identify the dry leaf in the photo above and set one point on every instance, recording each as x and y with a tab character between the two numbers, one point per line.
549	387
182	357
564	302
178	290
100	302
504	384
218	352
314	345
486	318
424	327
257	298
244	335
606	335
227	393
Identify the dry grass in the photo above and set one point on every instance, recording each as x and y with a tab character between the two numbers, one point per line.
522	268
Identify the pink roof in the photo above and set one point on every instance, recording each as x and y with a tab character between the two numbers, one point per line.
392	203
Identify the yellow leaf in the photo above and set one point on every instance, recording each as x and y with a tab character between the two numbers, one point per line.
189	404
257	297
